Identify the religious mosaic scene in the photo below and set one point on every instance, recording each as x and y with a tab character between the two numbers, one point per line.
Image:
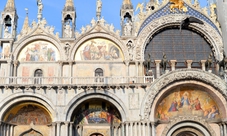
161	70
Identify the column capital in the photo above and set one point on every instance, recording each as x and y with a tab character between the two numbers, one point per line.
189	63
66	122
53	123
15	62
157	62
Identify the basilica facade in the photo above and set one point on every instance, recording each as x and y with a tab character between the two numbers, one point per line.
162	74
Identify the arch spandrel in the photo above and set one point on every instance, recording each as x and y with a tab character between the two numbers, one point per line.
39	50
99	49
115	40
214	85
153	27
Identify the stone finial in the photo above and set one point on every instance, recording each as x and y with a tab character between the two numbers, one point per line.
69	3
127	2
26	23
10	4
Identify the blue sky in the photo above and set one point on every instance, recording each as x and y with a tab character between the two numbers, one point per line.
85	10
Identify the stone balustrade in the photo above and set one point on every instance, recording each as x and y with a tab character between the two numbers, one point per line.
75	80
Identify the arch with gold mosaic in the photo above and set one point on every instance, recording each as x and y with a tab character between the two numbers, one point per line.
39	102
99	46
39	48
202	82
26	113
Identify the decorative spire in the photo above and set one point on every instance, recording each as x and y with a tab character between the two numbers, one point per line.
10	5
69	5
26	22
127	2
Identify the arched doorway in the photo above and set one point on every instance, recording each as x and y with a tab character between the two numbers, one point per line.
96	134
95	117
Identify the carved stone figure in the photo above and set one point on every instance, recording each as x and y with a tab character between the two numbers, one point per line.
164	62
147	63
209	62
6	32
98	9
68	30
67	48
130	46
40	6
128	27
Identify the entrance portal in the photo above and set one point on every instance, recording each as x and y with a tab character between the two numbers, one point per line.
187	134
96	134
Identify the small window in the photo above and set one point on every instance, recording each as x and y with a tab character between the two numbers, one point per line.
99	75
38	76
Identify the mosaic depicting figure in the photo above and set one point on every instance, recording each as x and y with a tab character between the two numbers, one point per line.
187	101
99	49
38	51
29	114
96	114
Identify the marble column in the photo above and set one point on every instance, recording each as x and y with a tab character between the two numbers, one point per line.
173	64
224	125
53	129
148	129
141	69
71	128
66	128
122	129
11	130
140	133
158	72
127	71
189	63
221	129
203	64
127	128
15	64
131	124
153	129
144	131
58	128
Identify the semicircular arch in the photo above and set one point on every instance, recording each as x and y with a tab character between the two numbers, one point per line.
23	43
153	27
113	39
158	89
21	97
76	101
193	122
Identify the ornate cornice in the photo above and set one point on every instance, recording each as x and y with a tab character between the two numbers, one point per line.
180	75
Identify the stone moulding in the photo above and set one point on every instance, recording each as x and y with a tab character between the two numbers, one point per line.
195	120
180	75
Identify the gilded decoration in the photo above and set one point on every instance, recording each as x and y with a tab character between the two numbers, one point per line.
99	49
97	113
25	114
177	4
187	101
39	51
